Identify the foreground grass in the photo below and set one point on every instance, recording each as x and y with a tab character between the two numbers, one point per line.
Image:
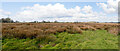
99	39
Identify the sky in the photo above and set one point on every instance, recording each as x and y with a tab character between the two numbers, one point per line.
61	11
53	0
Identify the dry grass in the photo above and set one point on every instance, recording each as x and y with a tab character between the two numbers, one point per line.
114	30
42	30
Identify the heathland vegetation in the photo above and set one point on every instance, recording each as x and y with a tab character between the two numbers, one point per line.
60	35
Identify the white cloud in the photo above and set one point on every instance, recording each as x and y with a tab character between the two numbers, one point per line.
87	9
110	7
57	12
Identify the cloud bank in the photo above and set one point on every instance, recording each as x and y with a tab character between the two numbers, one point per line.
110	7
59	12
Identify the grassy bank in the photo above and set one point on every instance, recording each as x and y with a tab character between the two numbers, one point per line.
99	39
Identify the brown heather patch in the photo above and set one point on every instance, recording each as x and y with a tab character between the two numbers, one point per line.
114	30
61	29
50	31
88	28
74	29
42	30
100	27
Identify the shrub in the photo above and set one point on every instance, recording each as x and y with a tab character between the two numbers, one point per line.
50	31
61	29
74	29
45	38
33	30
88	28
114	30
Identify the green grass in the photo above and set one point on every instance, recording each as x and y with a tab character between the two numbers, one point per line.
99	39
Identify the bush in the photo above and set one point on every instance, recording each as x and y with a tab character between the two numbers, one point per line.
114	30
33	30
74	30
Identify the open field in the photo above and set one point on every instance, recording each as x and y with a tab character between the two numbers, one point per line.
60	35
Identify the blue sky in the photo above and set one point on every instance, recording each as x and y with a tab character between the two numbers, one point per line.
98	13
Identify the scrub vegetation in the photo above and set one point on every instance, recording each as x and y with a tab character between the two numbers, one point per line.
60	35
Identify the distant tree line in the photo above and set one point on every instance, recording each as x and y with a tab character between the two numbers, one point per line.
9	20
6	20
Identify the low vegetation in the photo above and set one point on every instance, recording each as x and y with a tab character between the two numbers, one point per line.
60	35
99	39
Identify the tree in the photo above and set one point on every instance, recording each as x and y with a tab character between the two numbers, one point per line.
55	21
6	20
16	21
43	21
35	22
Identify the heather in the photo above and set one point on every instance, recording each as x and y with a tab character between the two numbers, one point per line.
60	35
